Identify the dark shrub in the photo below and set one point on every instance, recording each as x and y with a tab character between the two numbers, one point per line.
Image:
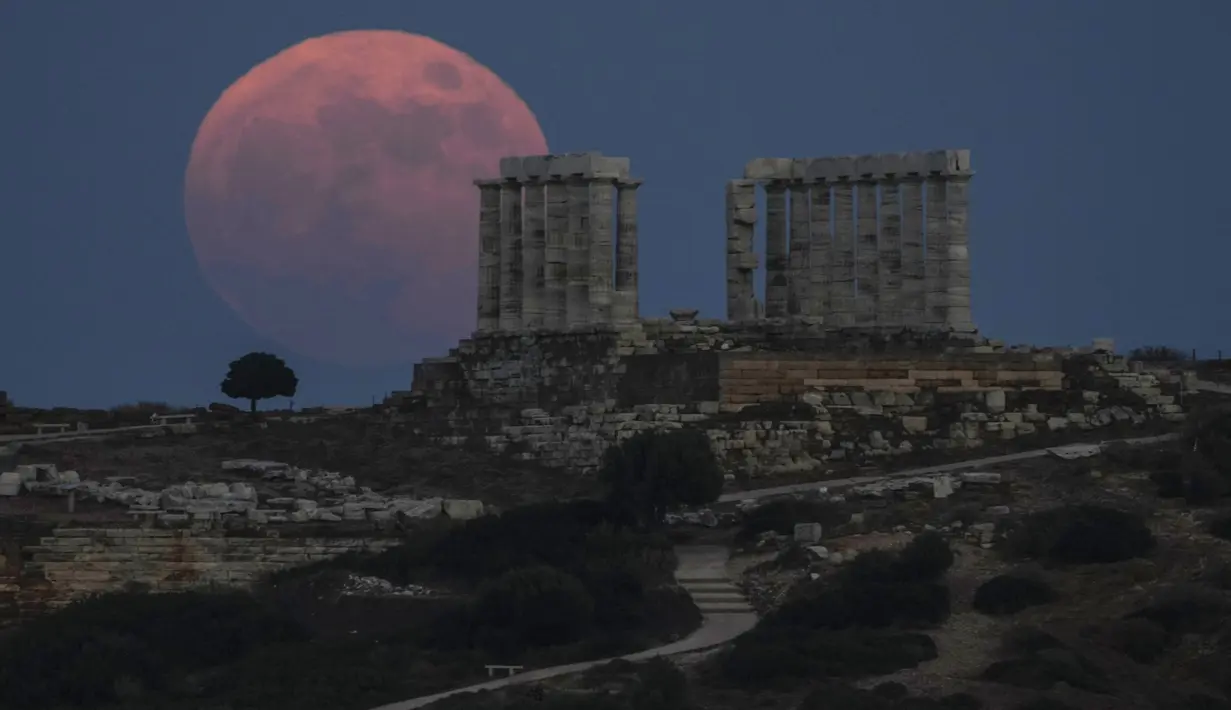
126	644
1084	534
535	606
1044	669
1203	482
781	516
1044	704
886	696
1158	353
1220	527
1187	610
782	654
1008	594
925	558
654	471
1138	638
1210	437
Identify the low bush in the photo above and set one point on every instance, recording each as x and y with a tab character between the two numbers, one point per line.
781	516
1186	610
533	606
852	624
1044	669
654	472
1220	527
838	696
119	646
1140	639
1008	594
1083	534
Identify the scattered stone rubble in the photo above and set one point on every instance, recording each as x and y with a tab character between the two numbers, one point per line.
363	586
333	497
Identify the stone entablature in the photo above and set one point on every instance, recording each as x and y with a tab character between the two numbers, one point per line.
871	240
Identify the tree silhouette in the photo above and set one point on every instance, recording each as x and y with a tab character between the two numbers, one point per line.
652	472
257	376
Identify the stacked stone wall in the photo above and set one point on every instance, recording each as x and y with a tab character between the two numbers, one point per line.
73	562
777	396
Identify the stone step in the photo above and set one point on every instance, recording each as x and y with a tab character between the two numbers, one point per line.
732	608
733	595
706	586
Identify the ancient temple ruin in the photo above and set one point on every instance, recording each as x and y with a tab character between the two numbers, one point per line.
547	248
860	346
871	240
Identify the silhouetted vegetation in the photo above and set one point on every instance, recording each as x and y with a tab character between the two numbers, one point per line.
781	516
887	696
1158	354
652	472
1008	594
258	376
852	624
546	584
1082	534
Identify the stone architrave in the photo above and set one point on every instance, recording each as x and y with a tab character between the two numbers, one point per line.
936	253
955	274
776	261
842	256
799	286
601	249
819	256
866	255
913	274
889	260
625	307
489	255
556	270
510	256
741	206
534	255
577	288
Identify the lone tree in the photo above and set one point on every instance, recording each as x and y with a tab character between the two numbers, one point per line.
257	376
652	472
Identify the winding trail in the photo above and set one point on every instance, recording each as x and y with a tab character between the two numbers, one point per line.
702	572
696	563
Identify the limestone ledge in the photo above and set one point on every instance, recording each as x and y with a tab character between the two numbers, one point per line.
79	561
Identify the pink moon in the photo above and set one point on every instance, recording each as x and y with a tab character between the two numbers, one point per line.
329	194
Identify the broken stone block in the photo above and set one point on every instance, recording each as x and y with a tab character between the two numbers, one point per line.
974	477
915	424
808	533
942	486
10	483
462	509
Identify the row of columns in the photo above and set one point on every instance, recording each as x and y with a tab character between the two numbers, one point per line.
845	238
550	256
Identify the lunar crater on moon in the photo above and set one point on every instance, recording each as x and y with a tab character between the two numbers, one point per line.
329	195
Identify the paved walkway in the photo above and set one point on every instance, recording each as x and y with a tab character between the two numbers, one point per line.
698	562
911	473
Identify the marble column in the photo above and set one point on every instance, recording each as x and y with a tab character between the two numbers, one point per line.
819	253
842	261
741	205
510	256
601	253
489	255
936	253
577	258
955	274
556	271
913	294
534	254
624	307
889	259
866	254
776	261
799	285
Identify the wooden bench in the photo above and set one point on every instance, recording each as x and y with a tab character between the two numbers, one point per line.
510	671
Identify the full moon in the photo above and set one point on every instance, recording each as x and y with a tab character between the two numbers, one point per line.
329	194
